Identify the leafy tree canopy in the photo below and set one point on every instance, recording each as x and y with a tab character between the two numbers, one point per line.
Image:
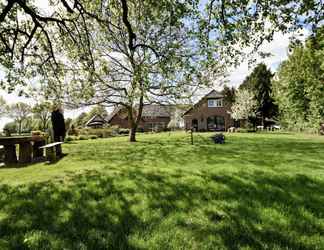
229	94
259	83
29	34
42	112
299	84
127	52
19	112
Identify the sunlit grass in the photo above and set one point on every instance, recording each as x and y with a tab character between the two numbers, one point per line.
257	191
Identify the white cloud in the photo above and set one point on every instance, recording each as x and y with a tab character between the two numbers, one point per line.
278	48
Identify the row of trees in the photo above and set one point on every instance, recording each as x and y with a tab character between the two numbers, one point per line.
299	85
294	96
26	117
253	101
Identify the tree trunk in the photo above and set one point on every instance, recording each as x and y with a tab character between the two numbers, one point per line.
44	125
132	134
135	120
132	125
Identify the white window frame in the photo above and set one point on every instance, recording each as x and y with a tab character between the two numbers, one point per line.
215	103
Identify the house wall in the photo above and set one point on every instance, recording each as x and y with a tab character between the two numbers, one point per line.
154	123
201	112
146	124
119	121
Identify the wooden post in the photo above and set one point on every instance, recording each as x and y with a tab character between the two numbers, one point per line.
51	154
37	151
25	152
191	135
10	154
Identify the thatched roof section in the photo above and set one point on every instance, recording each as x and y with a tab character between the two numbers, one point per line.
95	120
152	110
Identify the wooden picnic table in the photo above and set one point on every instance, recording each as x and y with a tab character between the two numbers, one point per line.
28	148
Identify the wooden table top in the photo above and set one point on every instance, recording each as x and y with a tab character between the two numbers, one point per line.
11	140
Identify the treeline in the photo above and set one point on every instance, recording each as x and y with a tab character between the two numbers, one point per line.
293	97
299	85
27	118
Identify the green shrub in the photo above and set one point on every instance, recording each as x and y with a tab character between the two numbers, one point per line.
123	131
83	137
73	131
93	137
69	138
99	132
38	240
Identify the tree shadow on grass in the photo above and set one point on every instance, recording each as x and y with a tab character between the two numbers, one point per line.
34	162
273	154
88	214
138	209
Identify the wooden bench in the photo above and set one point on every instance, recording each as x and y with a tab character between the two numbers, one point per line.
51	150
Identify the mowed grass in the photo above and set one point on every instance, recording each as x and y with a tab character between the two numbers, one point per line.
258	191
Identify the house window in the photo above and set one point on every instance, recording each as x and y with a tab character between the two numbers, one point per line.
216	123
212	103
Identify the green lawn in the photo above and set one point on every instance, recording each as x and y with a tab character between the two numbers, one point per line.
258	191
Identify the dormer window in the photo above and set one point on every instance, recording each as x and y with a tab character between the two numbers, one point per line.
215	103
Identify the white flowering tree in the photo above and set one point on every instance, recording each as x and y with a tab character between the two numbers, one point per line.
245	105
2	106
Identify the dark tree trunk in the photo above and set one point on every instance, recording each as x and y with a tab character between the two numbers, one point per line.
132	134
135	120
132	125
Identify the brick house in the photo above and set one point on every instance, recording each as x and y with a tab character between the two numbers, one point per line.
154	118
211	113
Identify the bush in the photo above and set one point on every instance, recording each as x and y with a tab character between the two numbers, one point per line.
37	239
99	132
83	137
123	131
69	138
93	137
73	131
321	130
218	138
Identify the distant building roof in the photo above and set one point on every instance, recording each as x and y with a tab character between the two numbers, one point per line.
95	120
149	110
213	94
156	111
115	112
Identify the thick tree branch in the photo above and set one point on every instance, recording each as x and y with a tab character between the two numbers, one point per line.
6	10
28	42
131	34
148	47
67	7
